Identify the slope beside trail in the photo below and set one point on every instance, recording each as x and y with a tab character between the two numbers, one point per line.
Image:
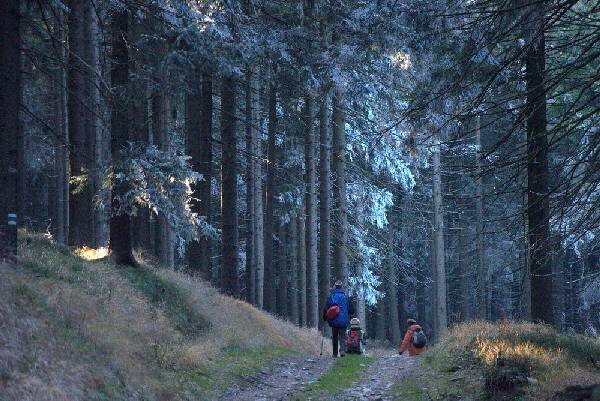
286	377
75	326
380	378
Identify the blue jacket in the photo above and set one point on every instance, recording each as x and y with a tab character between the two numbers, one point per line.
338	297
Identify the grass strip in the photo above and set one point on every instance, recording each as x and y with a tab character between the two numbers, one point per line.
340	376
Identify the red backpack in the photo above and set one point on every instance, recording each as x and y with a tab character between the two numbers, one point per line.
354	341
332	312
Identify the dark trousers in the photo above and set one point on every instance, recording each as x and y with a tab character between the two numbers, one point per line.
338	336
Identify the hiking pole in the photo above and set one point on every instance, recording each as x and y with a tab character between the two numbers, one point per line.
322	339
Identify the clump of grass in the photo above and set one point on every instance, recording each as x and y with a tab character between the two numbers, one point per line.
340	376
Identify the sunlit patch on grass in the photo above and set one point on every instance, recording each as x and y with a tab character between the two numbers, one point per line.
88	253
491	350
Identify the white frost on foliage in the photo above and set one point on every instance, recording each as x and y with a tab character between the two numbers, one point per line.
363	282
161	181
366	199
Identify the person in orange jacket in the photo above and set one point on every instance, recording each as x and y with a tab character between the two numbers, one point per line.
415	340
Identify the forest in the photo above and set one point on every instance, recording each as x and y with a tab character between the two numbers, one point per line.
440	158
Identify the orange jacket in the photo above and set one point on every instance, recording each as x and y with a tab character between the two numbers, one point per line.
407	342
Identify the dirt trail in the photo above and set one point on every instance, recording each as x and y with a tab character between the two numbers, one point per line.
381	376
290	376
286	377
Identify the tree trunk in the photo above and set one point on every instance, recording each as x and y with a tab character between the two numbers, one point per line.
440	313
481	269
538	209
193	122
206	169
558	285
464	274
10	126
160	122
283	273
120	225
81	155
58	184
259	237
399	311
392	276
340	219
142	231
380	316
311	216
270	294
95	131
361	310
525	277
433	287
229	167
420	293
251	91
294	279
302	267
324	201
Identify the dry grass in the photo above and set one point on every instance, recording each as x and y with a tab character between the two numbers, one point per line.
80	328
532	360
232	322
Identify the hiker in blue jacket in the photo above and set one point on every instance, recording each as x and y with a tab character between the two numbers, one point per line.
338	320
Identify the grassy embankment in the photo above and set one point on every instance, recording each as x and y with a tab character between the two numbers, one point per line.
504	361
75	326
